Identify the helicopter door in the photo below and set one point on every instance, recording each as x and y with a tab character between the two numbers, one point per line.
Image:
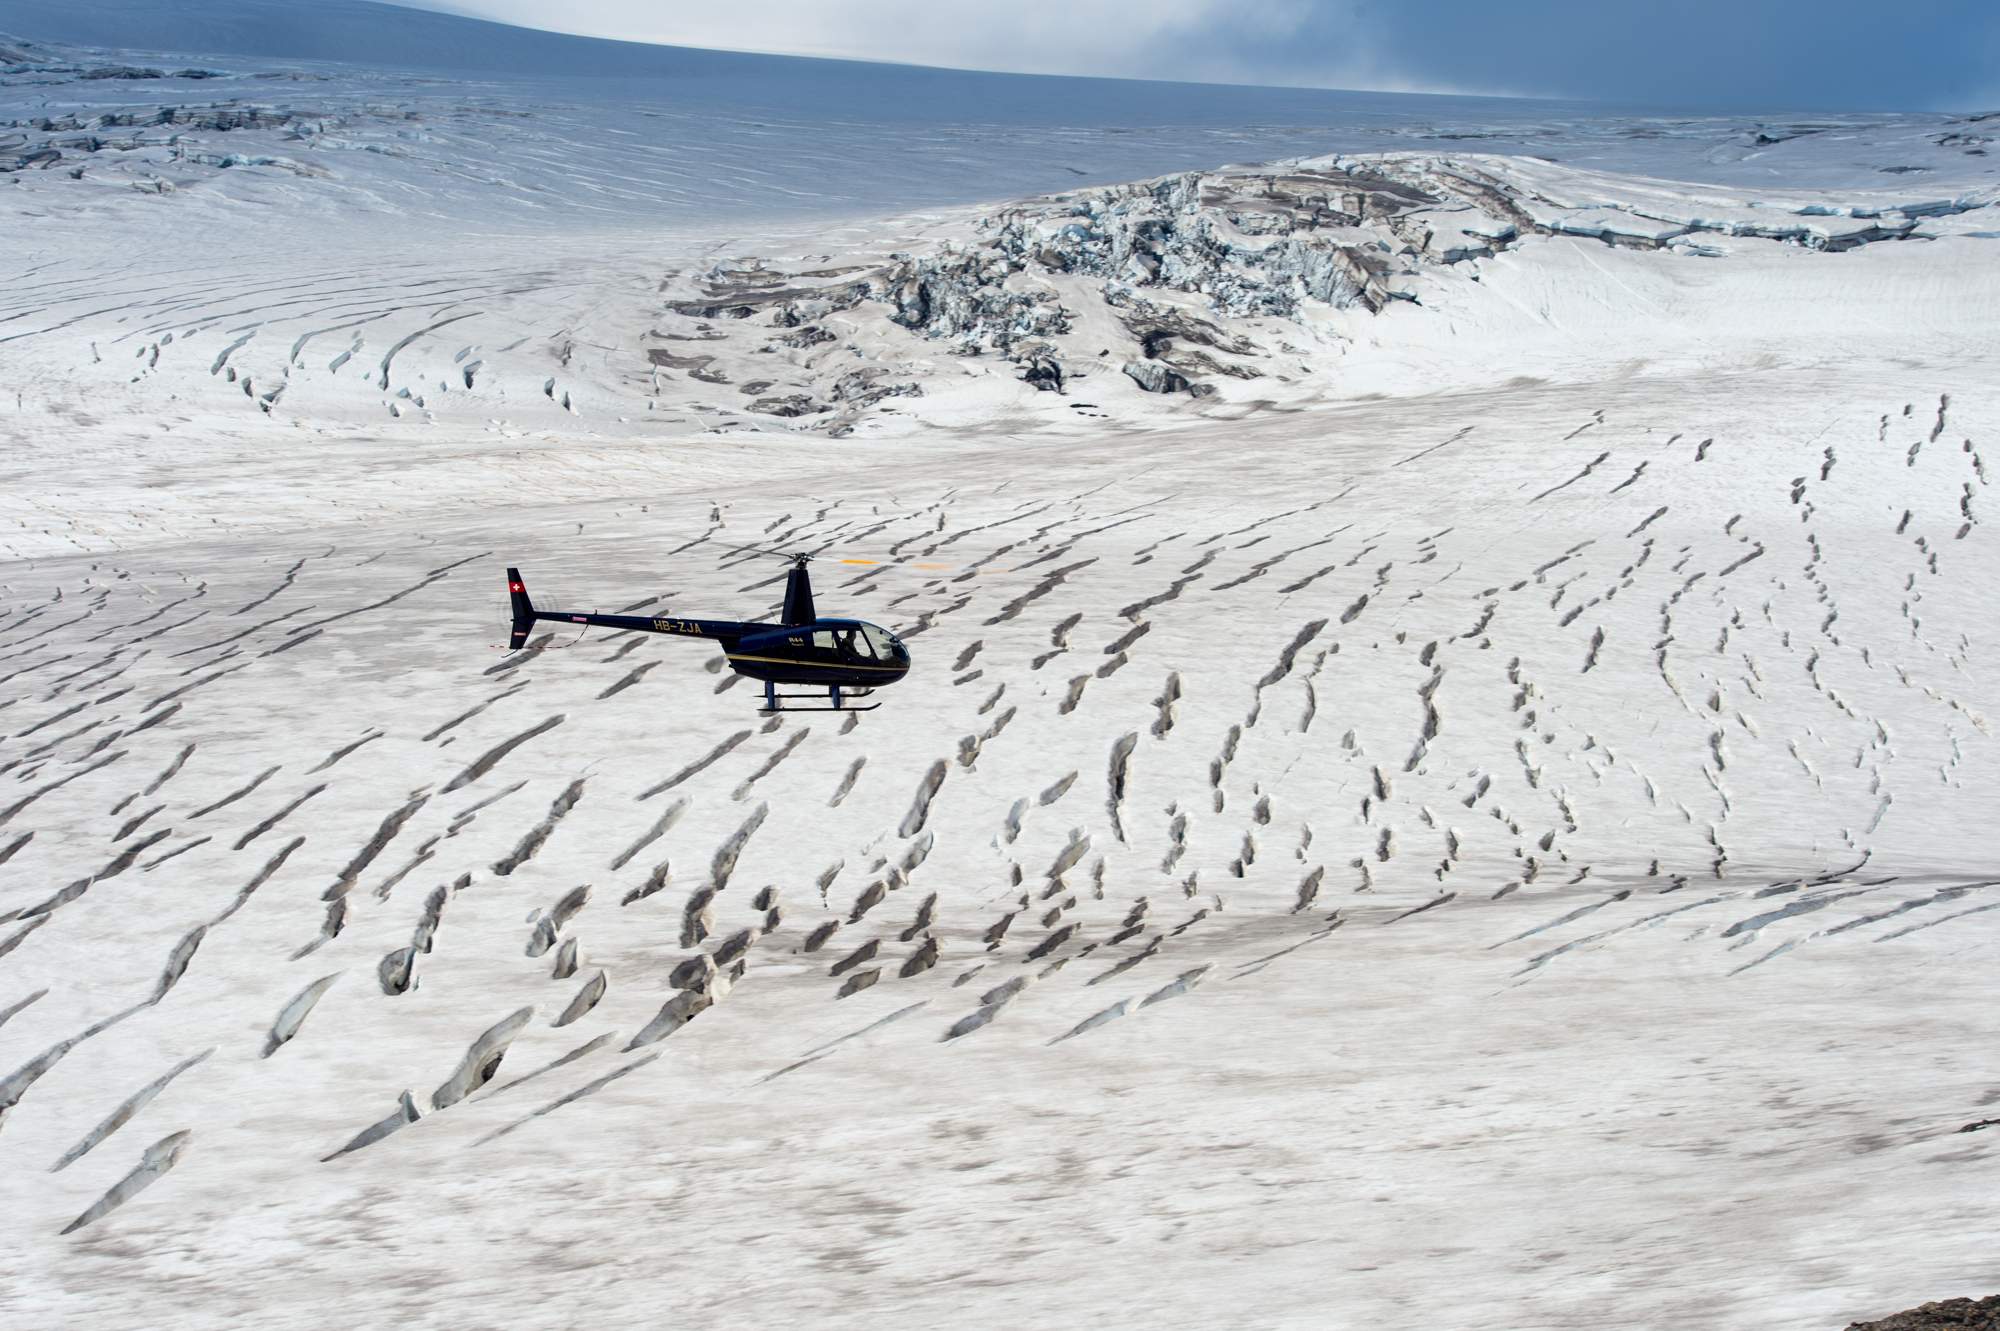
823	648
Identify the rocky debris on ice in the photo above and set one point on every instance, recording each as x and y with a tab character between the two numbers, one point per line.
130	144
1971	1314
1635	210
1171	272
1161	268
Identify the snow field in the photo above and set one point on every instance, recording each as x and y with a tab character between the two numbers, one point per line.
1148	813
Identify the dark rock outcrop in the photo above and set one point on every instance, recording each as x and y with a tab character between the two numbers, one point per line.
1154	377
791	404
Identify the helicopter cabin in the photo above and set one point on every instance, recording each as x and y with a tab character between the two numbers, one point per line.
837	643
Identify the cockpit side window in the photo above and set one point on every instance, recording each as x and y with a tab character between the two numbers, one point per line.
823	640
855	645
885	645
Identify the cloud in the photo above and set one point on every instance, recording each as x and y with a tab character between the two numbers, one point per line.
1697	53
1220	41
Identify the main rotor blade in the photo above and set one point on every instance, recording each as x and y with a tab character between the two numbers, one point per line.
827	559
758	550
898	563
892	563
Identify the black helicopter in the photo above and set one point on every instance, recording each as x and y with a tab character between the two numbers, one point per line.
844	658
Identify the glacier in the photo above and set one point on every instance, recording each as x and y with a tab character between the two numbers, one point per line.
1442	779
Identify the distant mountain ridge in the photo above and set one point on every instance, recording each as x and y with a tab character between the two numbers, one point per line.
355	32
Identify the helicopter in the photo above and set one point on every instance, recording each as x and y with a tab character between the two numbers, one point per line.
838	660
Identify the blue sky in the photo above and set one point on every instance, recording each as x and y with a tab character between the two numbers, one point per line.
1834	54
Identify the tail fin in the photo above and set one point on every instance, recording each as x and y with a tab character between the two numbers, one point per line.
524	610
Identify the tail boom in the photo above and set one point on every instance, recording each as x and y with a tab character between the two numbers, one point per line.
726	632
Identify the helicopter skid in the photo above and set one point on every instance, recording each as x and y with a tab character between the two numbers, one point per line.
833	698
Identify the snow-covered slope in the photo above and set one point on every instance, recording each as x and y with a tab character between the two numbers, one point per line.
1444	780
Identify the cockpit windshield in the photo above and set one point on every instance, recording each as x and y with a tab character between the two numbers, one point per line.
886	645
